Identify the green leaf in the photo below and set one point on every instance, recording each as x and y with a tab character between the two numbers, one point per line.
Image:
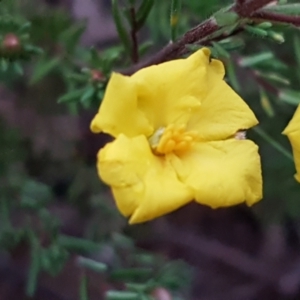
120	295
25	27
174	275
232	44
143	12
33	50
92	264
77	244
137	287
71	96
174	18
287	9
71	36
84	288
123	34
276	36
9	237
96	60
274	77
220	50
144	258
289	96
255	59
18	68
226	18
4	65
53	259
87	94
297	53
43	68
265	25
34	268
256	31
122	241
297	48
275	65
232	75
100	94
35	195
131	274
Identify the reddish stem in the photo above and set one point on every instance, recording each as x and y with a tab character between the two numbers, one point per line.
275	17
247	8
201	33
173	50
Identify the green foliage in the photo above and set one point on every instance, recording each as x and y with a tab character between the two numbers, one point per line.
16	45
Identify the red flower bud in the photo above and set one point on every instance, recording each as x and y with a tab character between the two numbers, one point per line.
161	294
96	75
11	43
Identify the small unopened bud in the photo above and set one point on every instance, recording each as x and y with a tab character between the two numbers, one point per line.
161	294
277	37
96	75
11	43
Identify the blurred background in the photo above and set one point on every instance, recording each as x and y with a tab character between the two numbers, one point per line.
61	236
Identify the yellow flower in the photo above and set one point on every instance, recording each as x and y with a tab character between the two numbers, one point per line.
293	133
175	127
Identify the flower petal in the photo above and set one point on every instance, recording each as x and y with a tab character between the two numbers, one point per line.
222	112
222	173
293	133
169	92
118	112
144	185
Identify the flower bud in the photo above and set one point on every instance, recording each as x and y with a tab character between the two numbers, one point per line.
161	293
11	43
96	75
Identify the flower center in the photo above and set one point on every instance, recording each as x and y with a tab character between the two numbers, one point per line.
172	138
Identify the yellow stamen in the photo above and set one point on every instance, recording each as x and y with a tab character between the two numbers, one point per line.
181	146
169	146
172	138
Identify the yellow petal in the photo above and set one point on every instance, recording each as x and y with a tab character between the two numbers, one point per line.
293	133
169	92
222	173
119	112
222	112
145	186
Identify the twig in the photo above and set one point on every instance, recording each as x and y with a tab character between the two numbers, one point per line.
199	34
174	50
240	2
275	17
247	8
133	34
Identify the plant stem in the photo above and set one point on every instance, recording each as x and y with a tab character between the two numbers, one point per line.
133	34
174	50
202	34
274	17
247	8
